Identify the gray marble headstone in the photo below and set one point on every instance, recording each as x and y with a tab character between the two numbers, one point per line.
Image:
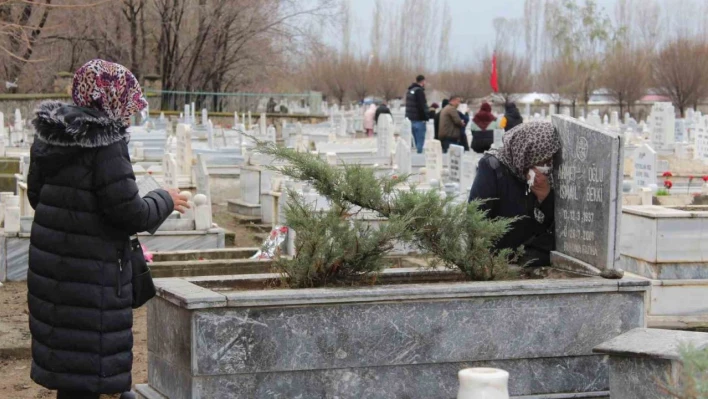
588	192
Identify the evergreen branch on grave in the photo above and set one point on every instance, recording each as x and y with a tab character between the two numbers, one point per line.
692	381
333	249
458	235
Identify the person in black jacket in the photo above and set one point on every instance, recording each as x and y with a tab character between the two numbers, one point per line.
502	181
382	109
86	202
512	117
417	111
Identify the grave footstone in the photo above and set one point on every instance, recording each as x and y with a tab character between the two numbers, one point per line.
588	195
456	153
403	156
468	171
384	138
644	167
433	160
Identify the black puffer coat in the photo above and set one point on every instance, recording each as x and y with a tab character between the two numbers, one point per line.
507	197
82	186
416	104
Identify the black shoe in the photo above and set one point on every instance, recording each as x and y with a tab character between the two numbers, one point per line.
128	395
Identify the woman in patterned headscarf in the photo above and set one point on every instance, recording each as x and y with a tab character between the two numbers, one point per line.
86	202
517	181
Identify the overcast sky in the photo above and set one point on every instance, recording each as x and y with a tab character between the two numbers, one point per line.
471	20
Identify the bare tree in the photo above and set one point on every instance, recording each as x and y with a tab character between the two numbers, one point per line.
467	83
21	24
680	71
625	76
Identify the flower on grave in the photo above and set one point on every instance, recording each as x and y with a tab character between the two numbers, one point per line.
149	172
705	179
147	254
690	178
668	184
668	174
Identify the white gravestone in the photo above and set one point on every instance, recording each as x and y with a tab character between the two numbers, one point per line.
18	122
662	122
187	114
615	119
700	133
644	167
12	215
205	116
146	184
271	134
193	118
406	132
468	171
170	171
384	138
433	160
456	153
403	156
262	125
680	134
210	134
184	149
202	212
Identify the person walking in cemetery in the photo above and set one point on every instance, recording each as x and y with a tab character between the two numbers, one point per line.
369	116
482	127
82	187
417	111
465	116
436	119
434	108
512	117
271	106
502	183
382	109
450	124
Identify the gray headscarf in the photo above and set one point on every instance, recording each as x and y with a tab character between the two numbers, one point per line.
527	145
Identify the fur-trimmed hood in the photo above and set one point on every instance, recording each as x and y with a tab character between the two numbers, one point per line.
66	125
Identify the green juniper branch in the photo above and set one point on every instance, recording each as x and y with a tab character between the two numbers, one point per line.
458	235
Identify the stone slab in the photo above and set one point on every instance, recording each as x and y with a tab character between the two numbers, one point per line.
638	378
653	343
538	377
233	341
177	240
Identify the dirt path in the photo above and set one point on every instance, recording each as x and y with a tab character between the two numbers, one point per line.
14	333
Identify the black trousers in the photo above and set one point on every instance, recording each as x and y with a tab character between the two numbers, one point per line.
77	395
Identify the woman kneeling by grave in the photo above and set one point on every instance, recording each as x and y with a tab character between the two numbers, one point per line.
82	186
516	182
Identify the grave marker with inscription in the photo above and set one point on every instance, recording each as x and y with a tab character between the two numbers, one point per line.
456	152
433	160
644	167
588	194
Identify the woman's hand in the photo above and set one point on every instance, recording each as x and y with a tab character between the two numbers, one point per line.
541	186
180	201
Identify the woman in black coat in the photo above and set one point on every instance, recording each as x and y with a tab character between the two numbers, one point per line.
502	181
82	187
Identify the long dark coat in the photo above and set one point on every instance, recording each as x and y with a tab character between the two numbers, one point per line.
82	187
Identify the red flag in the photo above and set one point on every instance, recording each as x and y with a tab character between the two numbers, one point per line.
494	80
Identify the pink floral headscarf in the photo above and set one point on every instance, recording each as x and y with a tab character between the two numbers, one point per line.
110	88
